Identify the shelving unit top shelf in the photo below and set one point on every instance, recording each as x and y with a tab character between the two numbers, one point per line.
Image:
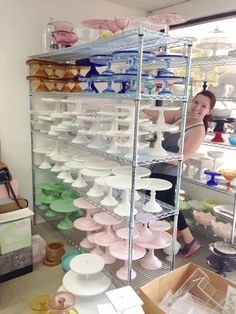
214	60
127	40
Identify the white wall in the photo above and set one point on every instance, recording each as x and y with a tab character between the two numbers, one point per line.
21	23
200	8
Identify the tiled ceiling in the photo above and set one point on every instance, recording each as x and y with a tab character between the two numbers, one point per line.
148	5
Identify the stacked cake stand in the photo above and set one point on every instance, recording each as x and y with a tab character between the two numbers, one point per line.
86	278
152	238
120	250
86	223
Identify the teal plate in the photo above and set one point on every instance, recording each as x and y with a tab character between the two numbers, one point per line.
67	257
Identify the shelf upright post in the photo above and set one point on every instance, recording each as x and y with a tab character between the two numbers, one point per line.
135	144
234	221
181	145
32	155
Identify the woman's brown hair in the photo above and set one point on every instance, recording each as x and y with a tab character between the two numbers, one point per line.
212	98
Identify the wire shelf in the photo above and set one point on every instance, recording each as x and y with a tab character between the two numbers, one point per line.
224	145
143	276
126	40
127	96
143	159
167	210
214	60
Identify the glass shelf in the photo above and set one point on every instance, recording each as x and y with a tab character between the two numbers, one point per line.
131	96
214	60
127	40
167	211
143	159
219	188
224	145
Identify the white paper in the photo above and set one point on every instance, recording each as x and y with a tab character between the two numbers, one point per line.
124	298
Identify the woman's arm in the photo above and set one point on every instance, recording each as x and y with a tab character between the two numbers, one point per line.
193	140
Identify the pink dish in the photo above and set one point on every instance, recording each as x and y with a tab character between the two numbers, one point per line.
202	218
63	26
122	22
112	26
64	38
96	23
222	229
82	203
105	219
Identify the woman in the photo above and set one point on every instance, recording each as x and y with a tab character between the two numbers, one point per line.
196	128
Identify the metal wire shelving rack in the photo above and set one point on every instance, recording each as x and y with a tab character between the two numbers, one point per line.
139	39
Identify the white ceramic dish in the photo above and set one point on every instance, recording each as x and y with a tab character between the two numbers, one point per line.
87	264
101	165
124	182
95	173
224	210
158	184
82	286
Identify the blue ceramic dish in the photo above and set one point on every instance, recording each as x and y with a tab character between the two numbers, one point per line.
232	141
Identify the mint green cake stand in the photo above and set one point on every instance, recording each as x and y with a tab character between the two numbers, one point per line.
64	207
53	187
67	194
45	201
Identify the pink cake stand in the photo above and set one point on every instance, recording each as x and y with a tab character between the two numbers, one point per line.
159	240
107	237
97	250
86	223
120	250
159	225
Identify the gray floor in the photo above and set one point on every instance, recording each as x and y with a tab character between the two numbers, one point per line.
16	294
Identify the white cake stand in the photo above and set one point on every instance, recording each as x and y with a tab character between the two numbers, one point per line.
59	159
129	143
120	250
124	183
95	190
43	151
141	172
85	277
154	185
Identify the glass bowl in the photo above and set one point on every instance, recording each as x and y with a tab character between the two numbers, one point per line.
64	38
63	26
229	174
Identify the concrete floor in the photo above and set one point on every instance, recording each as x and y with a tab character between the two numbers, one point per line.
16	294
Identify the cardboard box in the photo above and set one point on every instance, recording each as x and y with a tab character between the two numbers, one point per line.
153	292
